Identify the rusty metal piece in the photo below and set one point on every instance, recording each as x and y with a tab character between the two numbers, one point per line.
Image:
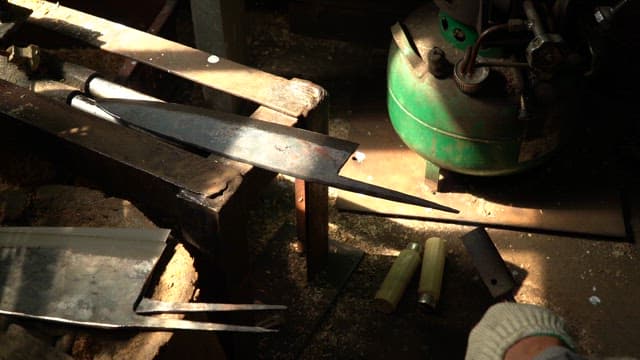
293	97
545	51
312	206
299	153
471	60
28	55
54	89
490	265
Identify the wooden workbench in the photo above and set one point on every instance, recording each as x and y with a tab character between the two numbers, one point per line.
204	200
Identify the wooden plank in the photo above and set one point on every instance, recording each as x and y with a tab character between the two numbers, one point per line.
204	176
291	97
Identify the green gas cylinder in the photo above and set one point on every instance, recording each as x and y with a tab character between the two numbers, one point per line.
512	124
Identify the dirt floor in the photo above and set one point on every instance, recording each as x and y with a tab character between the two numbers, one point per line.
592	282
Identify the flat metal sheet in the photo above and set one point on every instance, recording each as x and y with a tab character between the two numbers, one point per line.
574	193
87	276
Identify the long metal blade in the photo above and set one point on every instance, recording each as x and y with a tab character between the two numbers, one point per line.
151	306
303	154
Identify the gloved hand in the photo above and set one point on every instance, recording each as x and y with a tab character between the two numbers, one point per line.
506	323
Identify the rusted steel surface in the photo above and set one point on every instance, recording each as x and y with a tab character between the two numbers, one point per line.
312	214
558	198
301	217
293	97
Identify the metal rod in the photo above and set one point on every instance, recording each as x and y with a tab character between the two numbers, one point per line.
617	7
532	15
105	89
502	63
88	105
476	46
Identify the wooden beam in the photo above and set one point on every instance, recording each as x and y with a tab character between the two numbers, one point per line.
290	97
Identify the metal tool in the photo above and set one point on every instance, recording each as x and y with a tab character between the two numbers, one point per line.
94	277
490	265
296	152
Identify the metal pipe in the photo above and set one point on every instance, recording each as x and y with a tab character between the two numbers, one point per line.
476	46
92	83
76	75
105	89
502	63
54	89
533	17
617	7
72	96
89	106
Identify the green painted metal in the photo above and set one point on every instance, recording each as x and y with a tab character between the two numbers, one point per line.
451	29
462	36
470	135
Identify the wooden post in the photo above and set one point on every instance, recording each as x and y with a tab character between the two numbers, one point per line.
218	27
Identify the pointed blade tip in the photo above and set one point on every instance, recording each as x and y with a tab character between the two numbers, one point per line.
436	206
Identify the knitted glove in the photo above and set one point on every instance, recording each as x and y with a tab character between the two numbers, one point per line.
506	323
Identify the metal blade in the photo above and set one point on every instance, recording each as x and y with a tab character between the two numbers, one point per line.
303	154
150	306
86	276
149	322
